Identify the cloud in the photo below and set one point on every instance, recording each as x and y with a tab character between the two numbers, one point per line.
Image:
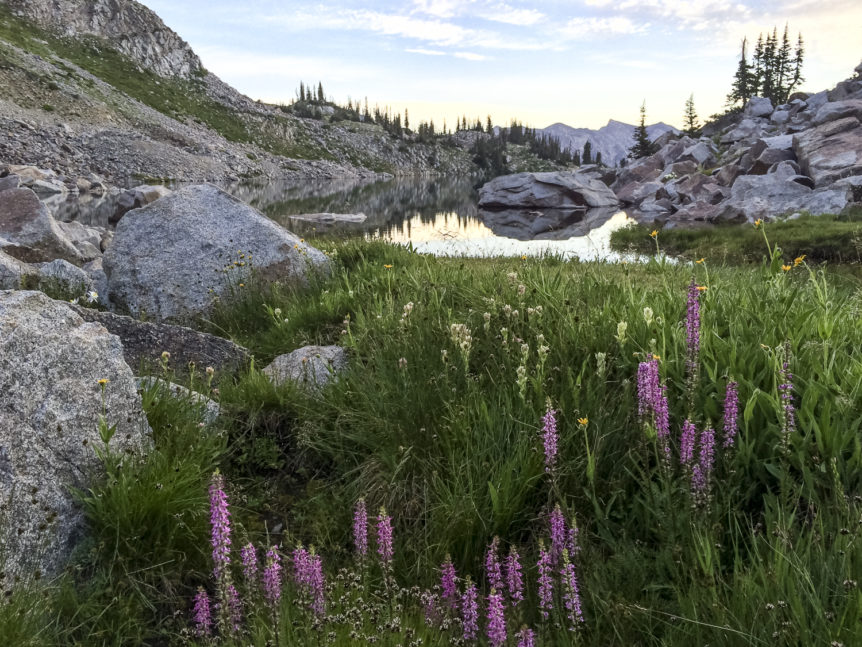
583	28
426	52
470	56
512	15
439	8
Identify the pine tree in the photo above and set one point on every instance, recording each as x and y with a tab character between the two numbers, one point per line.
588	153
741	90
797	77
783	62
489	126
757	74
576	157
406	120
301	91
689	119
599	158
320	91
642	147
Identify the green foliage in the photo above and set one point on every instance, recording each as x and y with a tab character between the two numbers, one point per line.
642	146
691	127
776	69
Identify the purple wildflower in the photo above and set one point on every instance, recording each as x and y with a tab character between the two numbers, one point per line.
316	584
692	326
384	538
430	607
526	638
572	540
731	413
514	579
496	631
686	443
470	611
785	391
360	529
202	615
700	479
448	582
272	577
546	582
558	533
492	565
234	610
220	521
549	438
571	596
248	554
649	386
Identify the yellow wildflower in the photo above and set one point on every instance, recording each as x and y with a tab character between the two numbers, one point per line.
798	260
702	288
583	421
758	222
523	257
700	260
786	268
658	357
103	381
242	285
653	233
388	267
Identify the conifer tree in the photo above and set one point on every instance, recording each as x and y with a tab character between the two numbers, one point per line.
301	91
588	153
642	147
576	157
599	158
406	120
320	97
689	119
489	126
741	90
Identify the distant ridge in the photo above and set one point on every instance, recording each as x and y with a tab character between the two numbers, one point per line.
613	139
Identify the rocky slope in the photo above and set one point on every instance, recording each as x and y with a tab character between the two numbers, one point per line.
106	87
613	140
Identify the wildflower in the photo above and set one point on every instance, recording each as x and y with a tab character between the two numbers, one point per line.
523	257
248	555
583	421
316	584
786	268
165	356
653	233
210	371
798	260
700	478
496	620
449	582
514	579
622	327
220	521
571	595
402	363
522	289
384	538
92	296
702	288
686	443
492	565
731	413
758	222
202	615
558	533
648	385
526	638
549	438
103	381
546	582
470	611
360	529
785	391
242	285
700	260
692	325
648	315
234	610
388	267
272	577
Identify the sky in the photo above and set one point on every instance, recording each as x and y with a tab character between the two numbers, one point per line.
580	62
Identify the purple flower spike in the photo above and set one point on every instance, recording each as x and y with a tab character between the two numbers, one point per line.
360	529
470	611
202	614
248	554
649	386
384	538
702	472
317	585
692	325
546	582
785	392
514	579
686	443
272	577
449	582
234	610
558	533
492	565
571	595
731	413
549	439
526	638
220	521
496	620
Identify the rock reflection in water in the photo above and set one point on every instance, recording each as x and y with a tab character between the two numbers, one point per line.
546	224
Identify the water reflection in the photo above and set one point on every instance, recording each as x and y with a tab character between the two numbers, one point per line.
436	215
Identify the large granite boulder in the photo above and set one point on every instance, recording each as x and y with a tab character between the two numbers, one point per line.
835	110
549	224
144	342
171	259
51	362
310	367
31	233
758	107
831	151
65	276
551	190
139	196
12	271
87	240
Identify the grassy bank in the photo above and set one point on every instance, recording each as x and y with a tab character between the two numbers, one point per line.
439	418
833	239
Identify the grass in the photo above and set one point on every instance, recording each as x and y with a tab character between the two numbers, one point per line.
833	239
448	438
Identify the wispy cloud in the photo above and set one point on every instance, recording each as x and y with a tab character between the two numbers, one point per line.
470	56
512	15
426	52
584	28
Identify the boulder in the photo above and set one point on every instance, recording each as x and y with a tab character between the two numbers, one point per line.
829	152
697	212
311	367
679	169
98	281
45	188
12	271
700	153
637	192
30	231
171	259
833	111
758	107
849	89
780	117
144	342
136	198
745	130
9	182
781	142
87	240
207	408
551	190
62	274
768	158
645	169
728	173
51	362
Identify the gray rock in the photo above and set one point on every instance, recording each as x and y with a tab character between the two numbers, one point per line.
834	111
9	182
44	188
829	152
728	174
550	224
12	271
700	153
747	129
136	198
63	274
642	170
208	409
50	403
770	157
330	218
782	142
758	107
697	212
636	192
814	102
143	343
679	169
775	194
33	235
849	89
87	240
311	367
174	257
780	117
552	190
98	281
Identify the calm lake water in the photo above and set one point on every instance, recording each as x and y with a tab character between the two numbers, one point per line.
435	215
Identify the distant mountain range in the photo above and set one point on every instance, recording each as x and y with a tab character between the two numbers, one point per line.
613	140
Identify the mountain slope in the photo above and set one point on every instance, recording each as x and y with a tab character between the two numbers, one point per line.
613	140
